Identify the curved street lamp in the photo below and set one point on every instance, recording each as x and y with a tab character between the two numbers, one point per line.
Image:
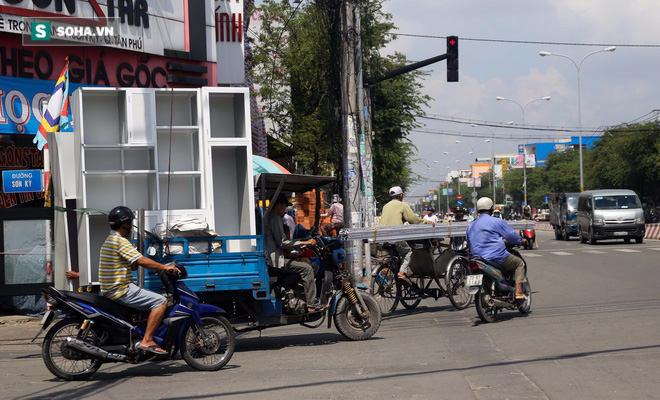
577	67
524	138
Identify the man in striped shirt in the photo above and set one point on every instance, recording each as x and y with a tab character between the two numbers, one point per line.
118	258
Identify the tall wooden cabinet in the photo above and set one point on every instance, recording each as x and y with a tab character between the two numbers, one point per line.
177	153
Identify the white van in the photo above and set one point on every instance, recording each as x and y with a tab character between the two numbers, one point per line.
610	214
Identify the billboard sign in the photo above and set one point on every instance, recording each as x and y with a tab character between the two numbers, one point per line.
229	37
530	161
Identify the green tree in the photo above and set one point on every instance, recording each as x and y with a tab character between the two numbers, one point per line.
296	59
626	157
396	104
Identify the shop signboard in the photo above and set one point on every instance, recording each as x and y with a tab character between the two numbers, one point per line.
229	21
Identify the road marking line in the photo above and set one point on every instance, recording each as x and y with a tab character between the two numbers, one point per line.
654	248
595	251
627	250
562	253
533	255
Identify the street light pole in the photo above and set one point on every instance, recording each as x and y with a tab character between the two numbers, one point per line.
492	158
474	187
524	139
577	66
457	161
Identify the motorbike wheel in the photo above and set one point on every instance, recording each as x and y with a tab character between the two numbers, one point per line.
485	312
66	363
459	294
208	347
526	306
385	289
592	238
353	326
409	298
582	238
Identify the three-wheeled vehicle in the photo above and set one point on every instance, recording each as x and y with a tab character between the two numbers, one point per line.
232	273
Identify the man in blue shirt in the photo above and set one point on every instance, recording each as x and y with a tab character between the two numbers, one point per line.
485	236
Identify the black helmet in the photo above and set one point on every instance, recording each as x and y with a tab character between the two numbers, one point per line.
119	215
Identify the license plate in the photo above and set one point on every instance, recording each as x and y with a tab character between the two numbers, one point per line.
474	280
45	317
620	233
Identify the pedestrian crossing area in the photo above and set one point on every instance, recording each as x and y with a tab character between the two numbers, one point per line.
568	253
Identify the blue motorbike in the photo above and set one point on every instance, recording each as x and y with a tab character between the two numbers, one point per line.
494	287
96	330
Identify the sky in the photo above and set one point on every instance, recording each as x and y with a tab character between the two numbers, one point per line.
616	87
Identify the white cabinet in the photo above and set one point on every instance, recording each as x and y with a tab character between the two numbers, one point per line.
177	153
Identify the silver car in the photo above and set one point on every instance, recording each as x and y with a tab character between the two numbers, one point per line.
610	214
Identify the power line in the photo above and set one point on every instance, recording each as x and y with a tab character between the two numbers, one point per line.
529	41
648	117
508	126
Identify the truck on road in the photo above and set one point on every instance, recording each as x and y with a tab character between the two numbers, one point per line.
563	214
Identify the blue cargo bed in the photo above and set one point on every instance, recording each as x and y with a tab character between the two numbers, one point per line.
212	267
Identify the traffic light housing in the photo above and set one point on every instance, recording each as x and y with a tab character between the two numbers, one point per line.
452	58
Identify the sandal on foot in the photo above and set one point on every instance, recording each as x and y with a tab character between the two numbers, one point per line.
315	309
405	280
153	349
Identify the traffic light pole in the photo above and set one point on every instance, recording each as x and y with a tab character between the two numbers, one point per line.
452	64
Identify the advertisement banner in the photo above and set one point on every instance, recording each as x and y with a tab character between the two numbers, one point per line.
530	161
21	107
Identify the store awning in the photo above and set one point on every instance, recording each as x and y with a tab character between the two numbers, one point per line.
263	164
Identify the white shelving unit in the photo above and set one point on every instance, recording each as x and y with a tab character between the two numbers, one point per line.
177	153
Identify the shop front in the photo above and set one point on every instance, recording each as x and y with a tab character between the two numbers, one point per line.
151	46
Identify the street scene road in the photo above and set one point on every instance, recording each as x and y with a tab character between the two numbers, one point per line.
592	334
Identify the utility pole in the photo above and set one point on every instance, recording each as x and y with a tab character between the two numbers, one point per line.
352	143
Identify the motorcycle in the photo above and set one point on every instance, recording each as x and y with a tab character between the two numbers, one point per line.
97	330
494	288
530	235
355	312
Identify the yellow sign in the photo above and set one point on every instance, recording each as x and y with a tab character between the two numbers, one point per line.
503	167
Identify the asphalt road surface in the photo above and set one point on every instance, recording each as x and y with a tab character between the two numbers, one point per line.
592	334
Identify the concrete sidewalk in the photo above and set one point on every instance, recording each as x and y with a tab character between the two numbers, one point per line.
9	319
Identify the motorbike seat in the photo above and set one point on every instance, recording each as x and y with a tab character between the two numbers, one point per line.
101	302
491	263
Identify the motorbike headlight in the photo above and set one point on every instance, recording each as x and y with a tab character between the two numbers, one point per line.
639	220
599	222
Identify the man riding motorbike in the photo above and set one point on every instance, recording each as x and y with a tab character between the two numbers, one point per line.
485	236
118	258
276	242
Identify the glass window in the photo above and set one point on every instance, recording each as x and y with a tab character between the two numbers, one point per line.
616	202
25	251
572	202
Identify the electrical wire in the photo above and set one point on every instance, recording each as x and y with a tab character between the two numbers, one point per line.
527	41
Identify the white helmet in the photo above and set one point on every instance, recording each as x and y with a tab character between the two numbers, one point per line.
336	198
395	191
484	203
